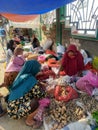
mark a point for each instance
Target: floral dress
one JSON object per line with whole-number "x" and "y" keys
{"x": 21, "y": 107}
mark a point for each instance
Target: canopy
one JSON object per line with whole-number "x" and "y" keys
{"x": 26, "y": 7}
{"x": 27, "y": 24}
{"x": 19, "y": 18}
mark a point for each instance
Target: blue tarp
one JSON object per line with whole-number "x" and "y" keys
{"x": 26, "y": 7}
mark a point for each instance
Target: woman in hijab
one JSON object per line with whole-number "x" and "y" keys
{"x": 23, "y": 90}
{"x": 35, "y": 42}
{"x": 14, "y": 66}
{"x": 72, "y": 61}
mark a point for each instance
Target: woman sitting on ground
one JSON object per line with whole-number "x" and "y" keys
{"x": 13, "y": 67}
{"x": 72, "y": 61}
{"x": 23, "y": 90}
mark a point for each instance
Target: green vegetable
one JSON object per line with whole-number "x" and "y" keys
{"x": 95, "y": 116}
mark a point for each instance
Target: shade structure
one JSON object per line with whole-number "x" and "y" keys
{"x": 27, "y": 24}
{"x": 27, "y": 7}
{"x": 19, "y": 18}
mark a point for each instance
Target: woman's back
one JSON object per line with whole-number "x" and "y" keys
{"x": 9, "y": 54}
{"x": 10, "y": 50}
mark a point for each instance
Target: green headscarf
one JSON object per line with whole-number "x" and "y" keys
{"x": 25, "y": 80}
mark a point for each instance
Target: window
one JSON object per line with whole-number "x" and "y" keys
{"x": 82, "y": 17}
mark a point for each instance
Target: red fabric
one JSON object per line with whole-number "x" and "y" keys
{"x": 52, "y": 63}
{"x": 72, "y": 48}
{"x": 62, "y": 73}
{"x": 74, "y": 65}
{"x": 45, "y": 75}
{"x": 94, "y": 70}
{"x": 50, "y": 52}
{"x": 88, "y": 66}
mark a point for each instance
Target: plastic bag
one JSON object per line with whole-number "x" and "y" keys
{"x": 77, "y": 126}
{"x": 47, "y": 126}
{"x": 60, "y": 49}
{"x": 95, "y": 62}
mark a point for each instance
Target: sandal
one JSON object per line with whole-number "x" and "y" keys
{"x": 29, "y": 121}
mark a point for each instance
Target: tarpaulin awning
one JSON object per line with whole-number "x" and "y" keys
{"x": 28, "y": 24}
{"x": 26, "y": 7}
{"x": 19, "y": 18}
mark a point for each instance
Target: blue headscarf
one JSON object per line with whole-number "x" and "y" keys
{"x": 25, "y": 80}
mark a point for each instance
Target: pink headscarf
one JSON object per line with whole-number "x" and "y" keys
{"x": 16, "y": 64}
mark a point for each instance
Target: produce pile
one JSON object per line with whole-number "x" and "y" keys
{"x": 90, "y": 103}
{"x": 63, "y": 113}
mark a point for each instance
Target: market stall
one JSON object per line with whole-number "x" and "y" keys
{"x": 68, "y": 105}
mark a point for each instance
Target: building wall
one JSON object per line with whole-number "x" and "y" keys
{"x": 90, "y": 46}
